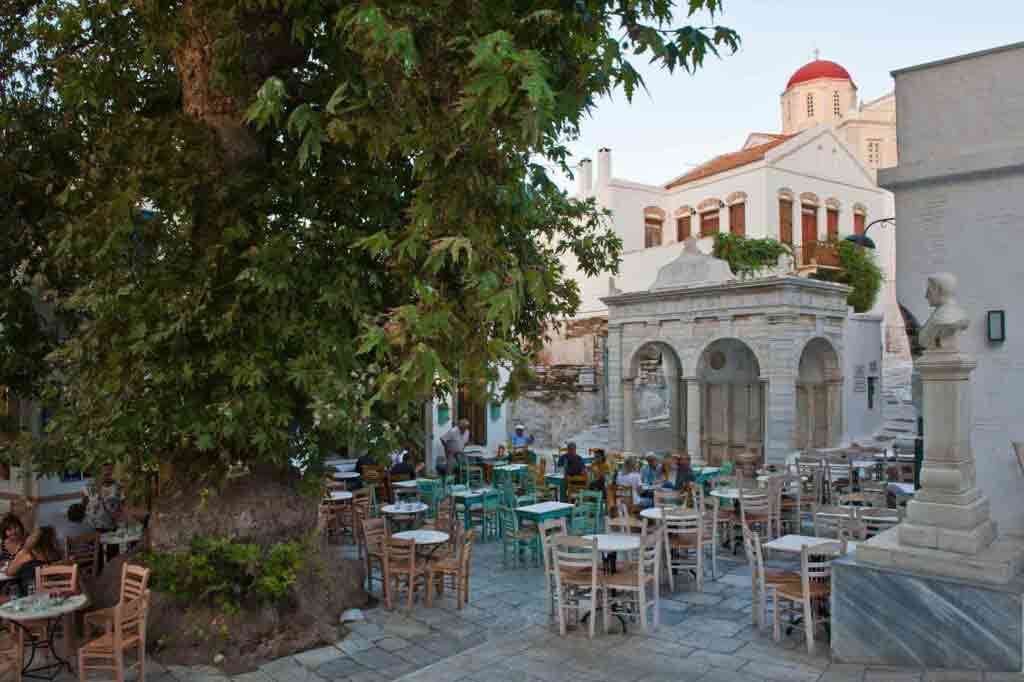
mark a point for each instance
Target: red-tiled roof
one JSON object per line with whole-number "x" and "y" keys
{"x": 726, "y": 162}
{"x": 819, "y": 68}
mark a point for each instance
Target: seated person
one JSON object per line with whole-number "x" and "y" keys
{"x": 650, "y": 473}
{"x": 599, "y": 471}
{"x": 407, "y": 466}
{"x": 40, "y": 549}
{"x": 630, "y": 476}
{"x": 501, "y": 453}
{"x": 684, "y": 474}
{"x": 13, "y": 533}
{"x": 366, "y": 459}
{"x": 519, "y": 438}
{"x": 571, "y": 462}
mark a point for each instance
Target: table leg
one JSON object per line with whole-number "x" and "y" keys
{"x": 35, "y": 644}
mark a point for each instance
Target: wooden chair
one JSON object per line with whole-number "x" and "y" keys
{"x": 667, "y": 498}
{"x": 709, "y": 514}
{"x": 755, "y": 509}
{"x": 373, "y": 535}
{"x": 575, "y": 484}
{"x": 519, "y": 539}
{"x": 834, "y": 521}
{"x": 767, "y": 579}
{"x": 390, "y": 481}
{"x": 643, "y": 574}
{"x": 362, "y": 508}
{"x": 549, "y": 529}
{"x": 455, "y": 567}
{"x": 577, "y": 577}
{"x": 127, "y": 632}
{"x": 684, "y": 544}
{"x": 621, "y": 496}
{"x": 400, "y": 560}
{"x": 789, "y": 515}
{"x": 373, "y": 477}
{"x": 61, "y": 577}
{"x": 84, "y": 551}
{"x": 810, "y": 599}
{"x": 134, "y": 584}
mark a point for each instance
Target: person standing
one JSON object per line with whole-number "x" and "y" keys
{"x": 454, "y": 443}
{"x": 103, "y": 501}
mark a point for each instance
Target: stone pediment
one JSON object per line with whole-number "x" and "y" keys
{"x": 691, "y": 268}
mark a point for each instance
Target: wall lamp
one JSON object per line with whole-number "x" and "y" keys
{"x": 863, "y": 239}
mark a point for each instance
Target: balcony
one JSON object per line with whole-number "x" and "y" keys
{"x": 817, "y": 254}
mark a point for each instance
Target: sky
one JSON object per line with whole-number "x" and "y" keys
{"x": 684, "y": 120}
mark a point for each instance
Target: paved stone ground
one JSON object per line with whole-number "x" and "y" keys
{"x": 505, "y": 635}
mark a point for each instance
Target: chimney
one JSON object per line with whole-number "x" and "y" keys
{"x": 585, "y": 178}
{"x": 604, "y": 166}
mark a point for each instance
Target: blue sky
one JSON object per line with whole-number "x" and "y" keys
{"x": 687, "y": 119}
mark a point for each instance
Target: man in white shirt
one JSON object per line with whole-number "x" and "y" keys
{"x": 454, "y": 442}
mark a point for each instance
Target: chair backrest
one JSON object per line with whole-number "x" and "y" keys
{"x": 621, "y": 494}
{"x": 626, "y": 524}
{"x": 492, "y": 500}
{"x": 134, "y": 581}
{"x": 591, "y": 497}
{"x": 681, "y": 521}
{"x": 816, "y": 564}
{"x": 667, "y": 498}
{"x": 548, "y": 530}
{"x": 374, "y": 532}
{"x": 754, "y": 502}
{"x": 575, "y": 555}
{"x": 648, "y": 564}
{"x": 709, "y": 512}
{"x": 361, "y": 504}
{"x": 399, "y": 555}
{"x": 520, "y": 456}
{"x": 465, "y": 551}
{"x": 475, "y": 476}
{"x": 508, "y": 522}
{"x": 130, "y": 619}
{"x": 834, "y": 521}
{"x": 574, "y": 485}
{"x": 57, "y": 578}
{"x": 879, "y": 519}
{"x": 84, "y": 550}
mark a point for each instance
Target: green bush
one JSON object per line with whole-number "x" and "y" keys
{"x": 748, "y": 257}
{"x": 228, "y": 572}
{"x": 859, "y": 271}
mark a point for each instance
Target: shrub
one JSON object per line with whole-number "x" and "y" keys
{"x": 228, "y": 572}
{"x": 859, "y": 271}
{"x": 748, "y": 257}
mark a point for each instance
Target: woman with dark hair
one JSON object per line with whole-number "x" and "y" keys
{"x": 12, "y": 536}
{"x": 40, "y": 549}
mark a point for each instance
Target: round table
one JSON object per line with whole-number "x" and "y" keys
{"x": 122, "y": 538}
{"x": 615, "y": 542}
{"x": 345, "y": 475}
{"x": 36, "y": 607}
{"x": 728, "y": 493}
{"x": 423, "y": 536}
{"x": 339, "y": 495}
{"x": 407, "y": 511}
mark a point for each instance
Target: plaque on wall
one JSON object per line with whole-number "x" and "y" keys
{"x": 873, "y": 368}
{"x": 860, "y": 381}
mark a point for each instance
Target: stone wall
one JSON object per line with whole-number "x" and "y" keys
{"x": 554, "y": 419}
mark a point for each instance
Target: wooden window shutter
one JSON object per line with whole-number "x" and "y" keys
{"x": 833, "y": 223}
{"x": 709, "y": 223}
{"x": 858, "y": 223}
{"x": 786, "y": 221}
{"x": 738, "y": 219}
{"x": 683, "y": 228}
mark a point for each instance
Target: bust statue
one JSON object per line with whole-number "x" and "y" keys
{"x": 948, "y": 319}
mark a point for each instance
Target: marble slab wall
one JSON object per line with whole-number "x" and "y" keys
{"x": 886, "y": 617}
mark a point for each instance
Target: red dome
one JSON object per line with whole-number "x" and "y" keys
{"x": 819, "y": 68}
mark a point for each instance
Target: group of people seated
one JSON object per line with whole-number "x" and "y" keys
{"x": 646, "y": 477}
{"x": 22, "y": 553}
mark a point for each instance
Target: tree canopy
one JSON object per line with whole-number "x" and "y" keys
{"x": 231, "y": 221}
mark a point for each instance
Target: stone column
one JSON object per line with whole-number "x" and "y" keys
{"x": 627, "y": 414}
{"x": 693, "y": 418}
{"x": 949, "y": 512}
{"x": 673, "y": 408}
{"x": 834, "y": 390}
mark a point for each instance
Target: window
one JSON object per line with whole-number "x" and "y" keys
{"x": 652, "y": 232}
{"x": 832, "y": 222}
{"x": 874, "y": 153}
{"x": 786, "y": 221}
{"x": 810, "y": 105}
{"x": 872, "y": 388}
{"x": 738, "y": 219}
{"x": 683, "y": 229}
{"x": 709, "y": 223}
{"x": 836, "y": 110}
{"x": 858, "y": 223}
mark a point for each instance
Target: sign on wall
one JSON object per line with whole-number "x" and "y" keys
{"x": 860, "y": 380}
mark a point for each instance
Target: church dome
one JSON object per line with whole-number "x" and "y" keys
{"x": 819, "y": 68}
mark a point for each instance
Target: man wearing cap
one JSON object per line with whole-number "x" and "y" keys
{"x": 520, "y": 439}
{"x": 571, "y": 462}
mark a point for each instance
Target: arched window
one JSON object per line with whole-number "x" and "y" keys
{"x": 737, "y": 202}
{"x": 810, "y": 105}
{"x": 832, "y": 219}
{"x": 860, "y": 214}
{"x": 786, "y": 216}
{"x": 709, "y": 209}
{"x": 836, "y": 110}
{"x": 654, "y": 218}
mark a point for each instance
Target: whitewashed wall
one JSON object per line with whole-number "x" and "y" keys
{"x": 961, "y": 208}
{"x": 862, "y": 340}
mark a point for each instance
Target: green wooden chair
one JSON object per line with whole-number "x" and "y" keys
{"x": 474, "y": 476}
{"x": 429, "y": 491}
{"x": 586, "y": 519}
{"x": 487, "y": 515}
{"x": 596, "y": 498}
{"x": 518, "y": 539}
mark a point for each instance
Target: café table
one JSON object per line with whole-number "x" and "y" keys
{"x": 544, "y": 511}
{"x": 346, "y": 466}
{"x": 424, "y": 537}
{"x": 468, "y": 499}
{"x": 43, "y": 607}
{"x": 794, "y": 544}
{"x": 611, "y": 544}
{"x": 406, "y": 487}
{"x": 901, "y": 489}
{"x": 515, "y": 471}
{"x": 727, "y": 493}
{"x": 339, "y": 495}
{"x": 122, "y": 537}
{"x": 404, "y": 513}
{"x": 345, "y": 475}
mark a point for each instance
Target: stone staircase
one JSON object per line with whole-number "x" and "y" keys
{"x": 898, "y": 411}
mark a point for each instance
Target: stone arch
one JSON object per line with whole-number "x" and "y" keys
{"x": 786, "y": 193}
{"x": 654, "y": 226}
{"x": 709, "y": 204}
{"x": 683, "y": 211}
{"x": 654, "y": 212}
{"x": 819, "y": 390}
{"x": 832, "y": 203}
{"x": 860, "y": 209}
{"x": 732, "y": 402}
{"x": 652, "y": 398}
{"x": 810, "y": 199}
{"x": 736, "y": 198}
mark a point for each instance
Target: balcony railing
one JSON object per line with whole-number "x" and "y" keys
{"x": 821, "y": 254}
